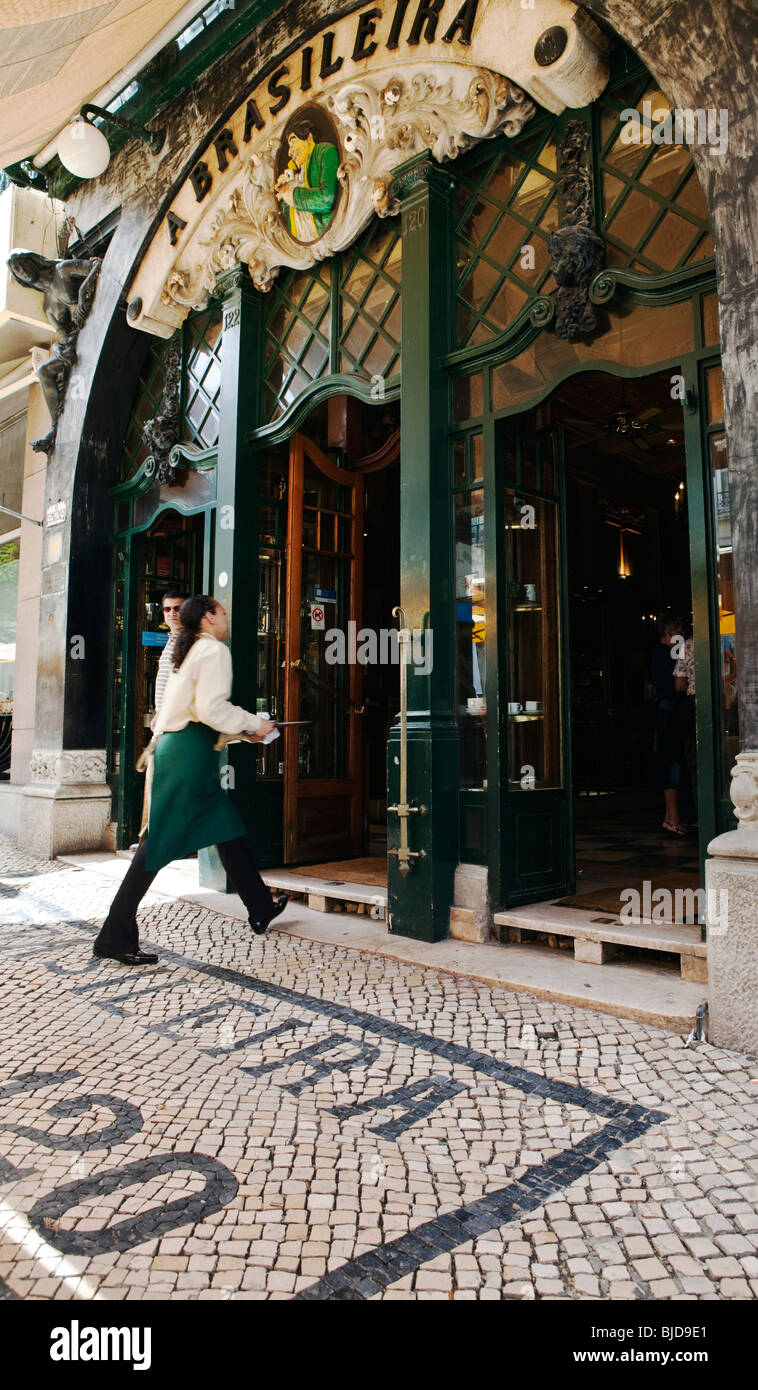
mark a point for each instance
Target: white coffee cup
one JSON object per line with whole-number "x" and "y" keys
{"x": 514, "y": 707}
{"x": 534, "y": 707}
{"x": 476, "y": 704}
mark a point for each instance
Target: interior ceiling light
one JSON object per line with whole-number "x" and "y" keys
{"x": 83, "y": 148}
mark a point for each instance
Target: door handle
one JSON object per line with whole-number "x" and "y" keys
{"x": 406, "y": 857}
{"x": 337, "y": 695}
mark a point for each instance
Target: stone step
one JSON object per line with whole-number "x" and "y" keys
{"x": 596, "y": 936}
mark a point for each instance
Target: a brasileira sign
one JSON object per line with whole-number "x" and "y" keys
{"x": 306, "y": 159}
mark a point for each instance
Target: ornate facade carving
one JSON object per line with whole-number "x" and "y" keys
{"x": 577, "y": 253}
{"x": 162, "y": 432}
{"x": 68, "y": 289}
{"x": 68, "y": 766}
{"x": 744, "y": 787}
{"x": 381, "y": 122}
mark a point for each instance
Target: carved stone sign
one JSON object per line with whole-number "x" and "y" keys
{"x": 305, "y": 161}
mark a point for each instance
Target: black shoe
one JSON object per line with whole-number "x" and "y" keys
{"x": 280, "y": 903}
{"x": 135, "y": 958}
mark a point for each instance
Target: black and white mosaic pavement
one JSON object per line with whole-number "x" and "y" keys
{"x": 282, "y": 1119}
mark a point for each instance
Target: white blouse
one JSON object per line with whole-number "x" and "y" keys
{"x": 199, "y": 691}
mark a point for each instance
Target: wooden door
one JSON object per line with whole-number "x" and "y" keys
{"x": 323, "y": 791}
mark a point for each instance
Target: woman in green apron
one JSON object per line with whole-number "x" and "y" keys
{"x": 188, "y": 808}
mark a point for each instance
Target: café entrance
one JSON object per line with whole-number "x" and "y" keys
{"x": 330, "y": 670}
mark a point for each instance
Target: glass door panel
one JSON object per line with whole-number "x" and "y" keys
{"x": 535, "y": 786}
{"x": 728, "y": 685}
{"x": 323, "y": 682}
{"x": 532, "y": 626}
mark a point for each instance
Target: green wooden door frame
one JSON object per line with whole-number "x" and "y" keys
{"x": 419, "y": 904}
{"x": 125, "y": 570}
{"x": 714, "y": 808}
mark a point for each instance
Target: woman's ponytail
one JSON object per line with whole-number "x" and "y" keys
{"x": 191, "y": 615}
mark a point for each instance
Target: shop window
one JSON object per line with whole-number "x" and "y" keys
{"x": 654, "y": 217}
{"x": 636, "y": 336}
{"x": 297, "y": 336}
{"x": 722, "y": 533}
{"x": 468, "y": 397}
{"x": 470, "y": 625}
{"x": 370, "y": 304}
{"x": 531, "y": 631}
{"x": 506, "y": 208}
{"x": 710, "y": 311}
{"x": 117, "y": 667}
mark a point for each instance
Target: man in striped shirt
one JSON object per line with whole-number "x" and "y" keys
{"x": 171, "y": 604}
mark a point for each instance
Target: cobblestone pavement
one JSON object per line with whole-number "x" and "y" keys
{"x": 275, "y": 1119}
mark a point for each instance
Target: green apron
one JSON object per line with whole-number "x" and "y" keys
{"x": 188, "y": 808}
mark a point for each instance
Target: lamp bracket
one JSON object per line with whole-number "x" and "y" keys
{"x": 154, "y": 139}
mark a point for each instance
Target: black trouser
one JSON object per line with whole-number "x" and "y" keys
{"x": 119, "y": 933}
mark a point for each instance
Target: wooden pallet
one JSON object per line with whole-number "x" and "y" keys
{"x": 597, "y": 939}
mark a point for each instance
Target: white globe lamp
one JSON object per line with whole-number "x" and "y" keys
{"x": 83, "y": 149}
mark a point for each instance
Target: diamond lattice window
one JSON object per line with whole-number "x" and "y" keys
{"x": 201, "y": 379}
{"x": 654, "y": 214}
{"x": 506, "y": 208}
{"x": 297, "y": 336}
{"x": 370, "y": 304}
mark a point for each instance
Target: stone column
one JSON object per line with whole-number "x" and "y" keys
{"x": 731, "y": 877}
{"x": 67, "y": 804}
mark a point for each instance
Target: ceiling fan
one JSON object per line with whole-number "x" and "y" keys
{"x": 631, "y": 426}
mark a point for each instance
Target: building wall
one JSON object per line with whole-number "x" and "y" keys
{"x": 29, "y": 578}
{"x": 12, "y": 443}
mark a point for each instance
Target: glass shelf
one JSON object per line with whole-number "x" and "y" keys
{"x": 532, "y": 652}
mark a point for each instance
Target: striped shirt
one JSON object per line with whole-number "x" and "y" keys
{"x": 165, "y": 667}
{"x": 685, "y": 666}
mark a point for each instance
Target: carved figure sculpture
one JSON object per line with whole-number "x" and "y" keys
{"x": 162, "y": 432}
{"x": 68, "y": 289}
{"x": 577, "y": 253}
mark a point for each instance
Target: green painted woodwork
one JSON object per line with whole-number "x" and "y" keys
{"x": 419, "y": 905}
{"x": 235, "y": 561}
